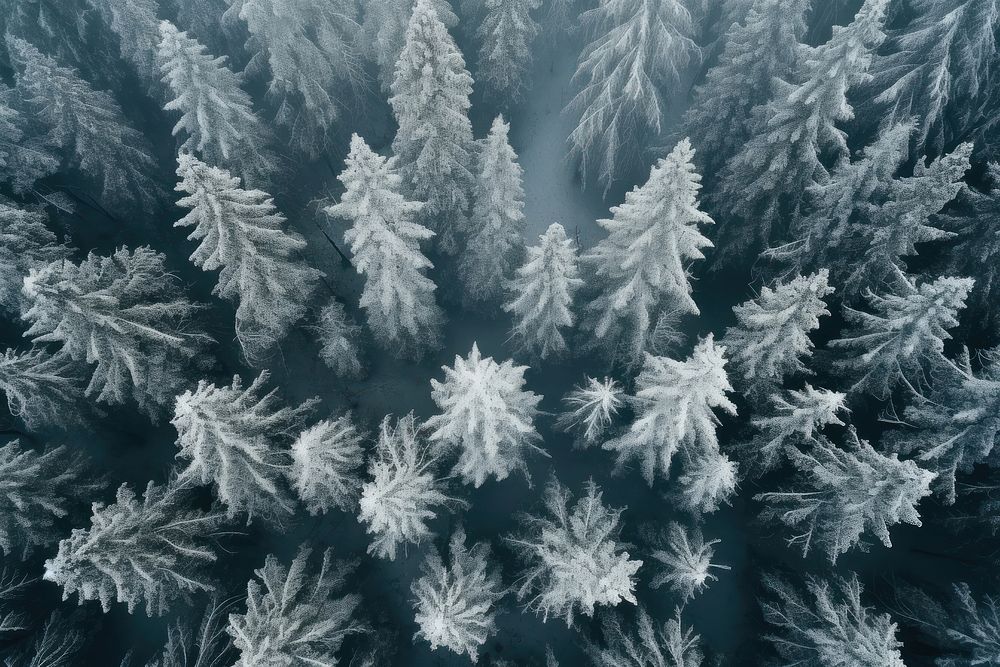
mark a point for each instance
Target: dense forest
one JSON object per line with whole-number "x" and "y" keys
{"x": 626, "y": 333}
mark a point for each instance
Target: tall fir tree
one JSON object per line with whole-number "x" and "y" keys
{"x": 506, "y": 36}
{"x": 497, "y": 221}
{"x": 430, "y": 100}
{"x": 641, "y": 267}
{"x": 385, "y": 241}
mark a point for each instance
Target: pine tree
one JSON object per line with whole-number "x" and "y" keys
{"x": 902, "y": 337}
{"x": 938, "y": 68}
{"x": 590, "y": 408}
{"x": 296, "y": 615}
{"x": 709, "y": 481}
{"x": 339, "y": 337}
{"x": 841, "y": 493}
{"x": 830, "y": 626}
{"x": 506, "y": 36}
{"x": 642, "y": 265}
{"x": 793, "y": 131}
{"x": 38, "y": 489}
{"x": 384, "y": 31}
{"x": 217, "y": 118}
{"x": 686, "y": 560}
{"x": 455, "y": 603}
{"x": 486, "y": 414}
{"x": 88, "y": 124}
{"x": 125, "y": 316}
{"x": 385, "y": 242}
{"x": 640, "y": 49}
{"x": 673, "y": 404}
{"x": 904, "y": 220}
{"x": 308, "y": 49}
{"x": 761, "y": 49}
{"x": 58, "y": 644}
{"x": 241, "y": 233}
{"x": 326, "y": 462}
{"x": 646, "y": 643}
{"x": 153, "y": 550}
{"x": 26, "y": 155}
{"x": 42, "y": 389}
{"x": 25, "y": 243}
{"x": 196, "y": 645}
{"x": 430, "y": 100}
{"x": 405, "y": 491}
{"x": 573, "y": 557}
{"x": 771, "y": 336}
{"x": 794, "y": 421}
{"x": 136, "y": 25}
{"x": 963, "y": 631}
{"x": 238, "y": 440}
{"x": 541, "y": 294}
{"x": 497, "y": 220}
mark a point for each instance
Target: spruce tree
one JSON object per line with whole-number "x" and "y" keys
{"x": 506, "y": 37}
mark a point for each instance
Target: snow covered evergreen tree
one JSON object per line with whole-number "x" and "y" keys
{"x": 642, "y": 265}
{"x": 939, "y": 67}
{"x": 540, "y": 296}
{"x": 25, "y": 243}
{"x": 487, "y": 415}
{"x": 58, "y": 644}
{"x": 645, "y": 642}
{"x": 956, "y": 425}
{"x": 759, "y": 51}
{"x": 840, "y": 493}
{"x": 497, "y": 220}
{"x": 506, "y": 36}
{"x": 405, "y": 491}
{"x": 902, "y": 337}
{"x": 308, "y": 49}
{"x": 829, "y": 626}
{"x": 794, "y": 421}
{"x": 686, "y": 561}
{"x": 136, "y": 25}
{"x": 339, "y": 335}
{"x": 455, "y": 602}
{"x": 125, "y": 316}
{"x": 573, "y": 557}
{"x": 296, "y": 615}
{"x": 204, "y": 644}
{"x": 590, "y": 408}
{"x": 430, "y": 100}
{"x": 385, "y": 241}
{"x": 963, "y": 630}
{"x": 640, "y": 49}
{"x": 88, "y": 125}
{"x": 241, "y": 233}
{"x": 42, "y": 389}
{"x": 904, "y": 219}
{"x": 37, "y": 490}
{"x": 771, "y": 336}
{"x": 217, "y": 117}
{"x": 152, "y": 551}
{"x": 793, "y": 131}
{"x": 673, "y": 405}
{"x": 26, "y": 153}
{"x": 384, "y": 24}
{"x": 709, "y": 480}
{"x": 326, "y": 462}
{"x": 238, "y": 440}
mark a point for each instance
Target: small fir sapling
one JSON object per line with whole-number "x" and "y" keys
{"x": 326, "y": 465}
{"x": 151, "y": 551}
{"x": 590, "y": 408}
{"x": 540, "y": 296}
{"x": 126, "y": 317}
{"x": 574, "y": 560}
{"x": 674, "y": 404}
{"x": 339, "y": 336}
{"x": 684, "y": 559}
{"x": 840, "y": 494}
{"x": 487, "y": 415}
{"x": 296, "y": 615}
{"x": 455, "y": 600}
{"x": 829, "y": 625}
{"x": 238, "y": 440}
{"x": 405, "y": 491}
{"x": 39, "y": 489}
